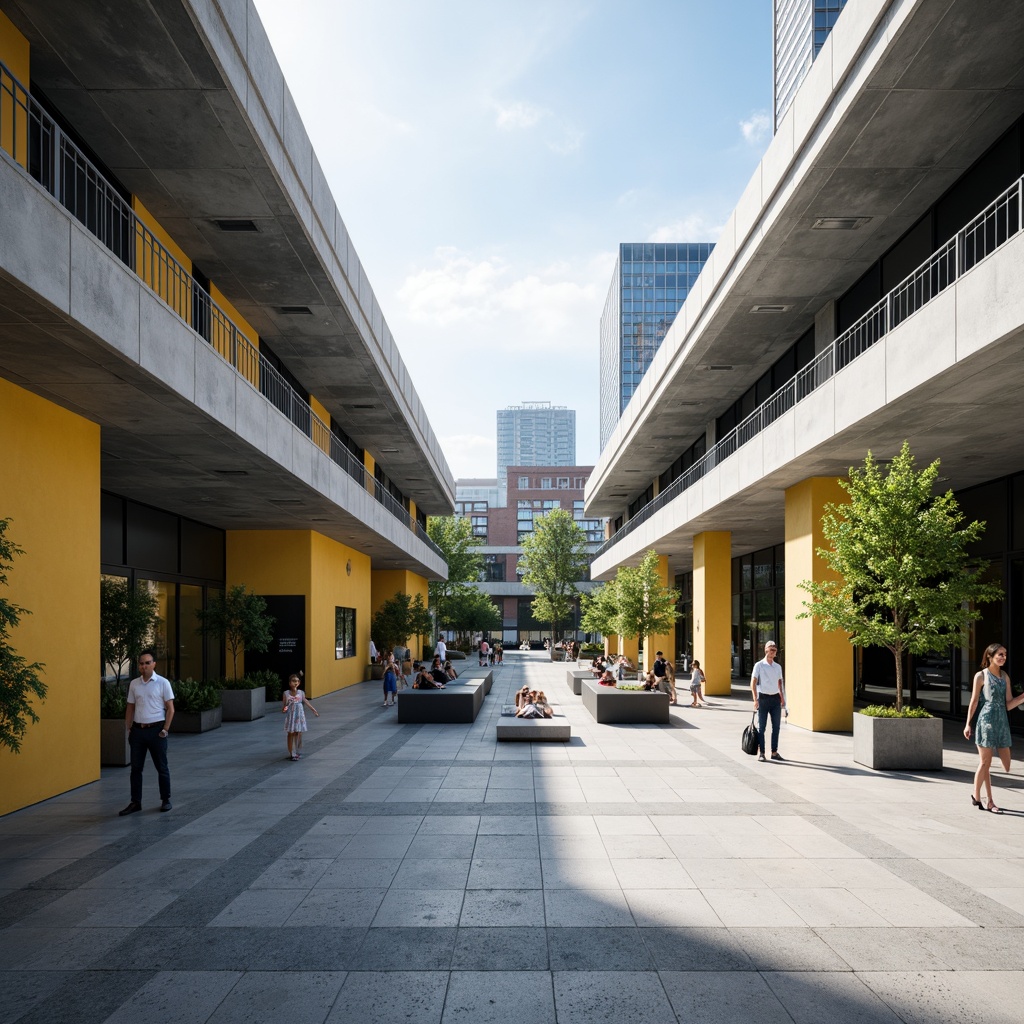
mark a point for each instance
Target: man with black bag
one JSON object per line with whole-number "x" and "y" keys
{"x": 769, "y": 695}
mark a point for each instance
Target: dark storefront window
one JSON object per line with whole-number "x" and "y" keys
{"x": 758, "y": 607}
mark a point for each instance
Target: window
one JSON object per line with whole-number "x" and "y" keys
{"x": 524, "y": 483}
{"x": 480, "y": 526}
{"x": 545, "y": 483}
{"x": 563, "y": 483}
{"x": 344, "y": 633}
{"x": 494, "y": 569}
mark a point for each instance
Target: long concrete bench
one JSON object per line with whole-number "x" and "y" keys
{"x": 458, "y": 702}
{"x": 535, "y": 729}
{"x": 610, "y": 705}
{"x": 476, "y": 672}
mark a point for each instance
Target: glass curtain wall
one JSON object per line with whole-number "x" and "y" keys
{"x": 758, "y": 607}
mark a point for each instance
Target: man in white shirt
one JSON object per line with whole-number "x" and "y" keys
{"x": 769, "y": 695}
{"x": 147, "y": 718}
{"x": 441, "y": 650}
{"x": 373, "y": 652}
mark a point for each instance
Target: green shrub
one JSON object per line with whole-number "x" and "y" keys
{"x": 629, "y": 686}
{"x": 113, "y": 701}
{"x": 271, "y": 680}
{"x": 192, "y": 697}
{"x": 888, "y": 711}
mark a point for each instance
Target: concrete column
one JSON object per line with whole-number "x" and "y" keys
{"x": 664, "y": 642}
{"x": 712, "y": 609}
{"x": 818, "y": 666}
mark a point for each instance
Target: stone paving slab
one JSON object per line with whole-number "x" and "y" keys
{"x": 426, "y": 873}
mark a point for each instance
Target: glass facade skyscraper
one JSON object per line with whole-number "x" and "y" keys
{"x": 801, "y": 28}
{"x": 535, "y": 434}
{"x": 650, "y": 284}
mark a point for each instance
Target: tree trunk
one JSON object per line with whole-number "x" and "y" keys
{"x": 898, "y": 654}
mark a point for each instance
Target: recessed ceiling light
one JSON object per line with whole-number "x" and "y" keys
{"x": 285, "y": 501}
{"x": 231, "y": 472}
{"x": 717, "y": 366}
{"x": 295, "y": 310}
{"x": 390, "y": 451}
{"x": 770, "y": 307}
{"x": 839, "y": 223}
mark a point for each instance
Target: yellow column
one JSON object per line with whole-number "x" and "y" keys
{"x": 664, "y": 642}
{"x": 712, "y": 609}
{"x": 50, "y": 490}
{"x": 818, "y": 666}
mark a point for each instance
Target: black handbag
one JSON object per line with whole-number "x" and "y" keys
{"x": 749, "y": 741}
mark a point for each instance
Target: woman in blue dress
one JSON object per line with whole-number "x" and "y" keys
{"x": 992, "y": 697}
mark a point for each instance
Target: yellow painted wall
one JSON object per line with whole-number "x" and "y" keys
{"x": 818, "y": 666}
{"x": 277, "y": 562}
{"x": 245, "y": 360}
{"x": 321, "y": 437}
{"x": 630, "y": 647}
{"x": 159, "y": 273}
{"x": 712, "y": 609}
{"x": 388, "y": 582}
{"x": 50, "y": 488}
{"x": 370, "y": 463}
{"x": 14, "y": 52}
{"x": 664, "y": 642}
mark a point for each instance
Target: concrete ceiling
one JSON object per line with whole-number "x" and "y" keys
{"x": 137, "y": 81}
{"x": 945, "y": 88}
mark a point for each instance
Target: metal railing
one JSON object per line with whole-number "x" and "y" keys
{"x": 34, "y": 141}
{"x": 984, "y": 234}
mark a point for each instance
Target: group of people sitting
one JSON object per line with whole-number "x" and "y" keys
{"x": 610, "y": 670}
{"x": 434, "y": 678}
{"x": 532, "y": 704}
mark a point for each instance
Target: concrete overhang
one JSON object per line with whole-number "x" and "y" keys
{"x": 903, "y": 97}
{"x": 186, "y": 103}
{"x": 180, "y": 427}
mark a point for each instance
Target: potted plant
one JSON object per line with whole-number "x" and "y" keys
{"x": 238, "y": 618}
{"x": 20, "y": 680}
{"x": 128, "y": 620}
{"x": 398, "y": 618}
{"x": 903, "y": 580}
{"x": 243, "y": 700}
{"x": 197, "y": 706}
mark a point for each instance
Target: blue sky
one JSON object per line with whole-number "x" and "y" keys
{"x": 488, "y": 158}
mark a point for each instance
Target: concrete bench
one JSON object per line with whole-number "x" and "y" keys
{"x": 475, "y": 672}
{"x": 574, "y": 678}
{"x": 535, "y": 729}
{"x": 610, "y": 705}
{"x": 458, "y": 702}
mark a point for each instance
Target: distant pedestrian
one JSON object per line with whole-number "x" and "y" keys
{"x": 660, "y": 668}
{"x": 441, "y": 650}
{"x": 499, "y": 653}
{"x": 485, "y": 649}
{"x": 147, "y": 717}
{"x": 390, "y": 682}
{"x": 670, "y": 682}
{"x": 374, "y": 656}
{"x": 769, "y": 695}
{"x": 696, "y": 684}
{"x": 293, "y": 709}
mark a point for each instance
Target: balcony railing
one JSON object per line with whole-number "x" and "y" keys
{"x": 34, "y": 141}
{"x": 989, "y": 230}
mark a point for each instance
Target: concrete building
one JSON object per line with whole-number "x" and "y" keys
{"x": 532, "y": 491}
{"x": 865, "y": 290}
{"x": 197, "y": 385}
{"x": 650, "y": 282}
{"x": 800, "y": 28}
{"x": 535, "y": 434}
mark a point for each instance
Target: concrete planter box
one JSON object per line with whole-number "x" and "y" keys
{"x": 374, "y": 671}
{"x": 610, "y": 706}
{"x": 574, "y": 679}
{"x": 907, "y": 744}
{"x": 460, "y": 701}
{"x": 114, "y": 749}
{"x": 243, "y": 705}
{"x": 203, "y": 722}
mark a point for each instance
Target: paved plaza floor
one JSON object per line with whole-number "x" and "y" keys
{"x": 425, "y": 873}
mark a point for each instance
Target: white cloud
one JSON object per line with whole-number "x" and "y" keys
{"x": 697, "y": 227}
{"x": 756, "y": 128}
{"x": 570, "y": 141}
{"x": 518, "y": 115}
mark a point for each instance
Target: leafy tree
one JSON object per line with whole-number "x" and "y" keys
{"x": 601, "y": 610}
{"x": 555, "y": 558}
{"x": 399, "y": 618}
{"x": 904, "y": 578}
{"x": 19, "y": 679}
{"x": 454, "y": 536}
{"x": 128, "y": 620}
{"x": 471, "y": 611}
{"x": 238, "y": 618}
{"x": 646, "y": 606}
